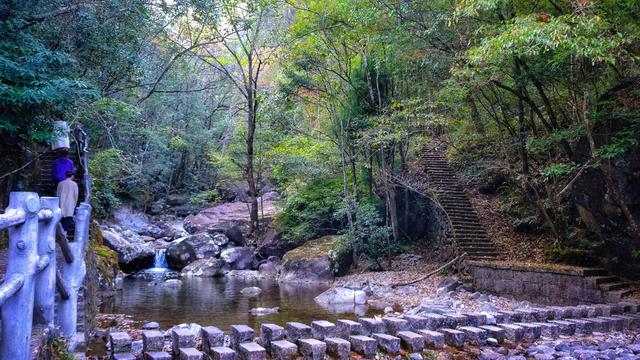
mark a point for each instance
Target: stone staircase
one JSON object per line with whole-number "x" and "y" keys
{"x": 469, "y": 235}
{"x": 46, "y": 186}
{"x": 615, "y": 288}
{"x": 368, "y": 337}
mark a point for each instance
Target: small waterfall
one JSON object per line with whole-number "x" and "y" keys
{"x": 160, "y": 260}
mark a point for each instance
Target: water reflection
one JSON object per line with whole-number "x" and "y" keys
{"x": 218, "y": 302}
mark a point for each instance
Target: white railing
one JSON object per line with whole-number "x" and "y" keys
{"x": 27, "y": 295}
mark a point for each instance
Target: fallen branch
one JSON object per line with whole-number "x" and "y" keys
{"x": 431, "y": 273}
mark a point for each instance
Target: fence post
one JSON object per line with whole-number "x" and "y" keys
{"x": 17, "y": 311}
{"x": 73, "y": 273}
{"x": 46, "y": 280}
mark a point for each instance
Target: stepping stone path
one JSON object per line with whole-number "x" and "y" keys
{"x": 392, "y": 335}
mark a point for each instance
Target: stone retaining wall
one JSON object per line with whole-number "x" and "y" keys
{"x": 539, "y": 283}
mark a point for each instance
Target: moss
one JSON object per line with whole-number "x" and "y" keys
{"x": 335, "y": 247}
{"x": 312, "y": 249}
{"x": 106, "y": 259}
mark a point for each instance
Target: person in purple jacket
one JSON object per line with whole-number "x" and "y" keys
{"x": 62, "y": 165}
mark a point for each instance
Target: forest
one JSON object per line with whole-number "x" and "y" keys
{"x": 330, "y": 103}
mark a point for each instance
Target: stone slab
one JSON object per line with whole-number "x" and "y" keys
{"x": 474, "y": 335}
{"x": 411, "y": 341}
{"x": 394, "y": 324}
{"x": 190, "y": 354}
{"x": 453, "y": 337}
{"x": 283, "y": 350}
{"x": 338, "y": 348}
{"x": 312, "y": 349}
{"x": 432, "y": 338}
{"x": 182, "y": 338}
{"x": 296, "y": 331}
{"x": 321, "y": 329}
{"x": 240, "y": 334}
{"x": 495, "y": 332}
{"x": 152, "y": 340}
{"x": 346, "y": 328}
{"x": 371, "y": 325}
{"x": 387, "y": 343}
{"x": 512, "y": 332}
{"x": 363, "y": 345}
{"x": 157, "y": 355}
{"x": 211, "y": 337}
{"x": 251, "y": 351}
{"x": 222, "y": 353}
{"x": 120, "y": 342}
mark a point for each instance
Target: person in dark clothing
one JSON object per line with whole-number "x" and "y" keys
{"x": 62, "y": 165}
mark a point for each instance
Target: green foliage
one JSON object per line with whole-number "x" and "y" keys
{"x": 311, "y": 212}
{"x": 107, "y": 171}
{"x": 372, "y": 236}
{"x": 206, "y": 197}
{"x": 571, "y": 256}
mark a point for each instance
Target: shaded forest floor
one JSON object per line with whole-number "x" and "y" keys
{"x": 513, "y": 245}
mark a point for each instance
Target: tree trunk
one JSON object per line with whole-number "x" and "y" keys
{"x": 251, "y": 128}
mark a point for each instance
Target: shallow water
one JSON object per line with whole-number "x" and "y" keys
{"x": 218, "y": 302}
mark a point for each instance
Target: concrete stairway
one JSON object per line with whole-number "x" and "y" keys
{"x": 469, "y": 235}
{"x": 615, "y": 288}
{"x": 368, "y": 337}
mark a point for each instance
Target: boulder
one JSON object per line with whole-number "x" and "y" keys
{"x": 341, "y": 296}
{"x": 271, "y": 266}
{"x": 317, "y": 260}
{"x": 260, "y": 311}
{"x": 271, "y": 243}
{"x": 251, "y": 291}
{"x": 220, "y": 239}
{"x": 211, "y": 267}
{"x": 133, "y": 253}
{"x": 172, "y": 284}
{"x": 137, "y": 222}
{"x": 222, "y": 215}
{"x": 184, "y": 251}
{"x": 238, "y": 258}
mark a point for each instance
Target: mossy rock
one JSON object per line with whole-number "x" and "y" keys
{"x": 317, "y": 260}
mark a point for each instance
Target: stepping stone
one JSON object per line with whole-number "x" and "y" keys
{"x": 296, "y": 331}
{"x": 511, "y": 316}
{"x": 531, "y": 331}
{"x": 629, "y": 322}
{"x": 512, "y": 332}
{"x": 283, "y": 350}
{"x": 251, "y": 351}
{"x": 560, "y": 312}
{"x": 222, "y": 353}
{"x": 599, "y": 325}
{"x": 338, "y": 348}
{"x": 157, "y": 355}
{"x": 387, "y": 343}
{"x": 270, "y": 333}
{"x": 123, "y": 356}
{"x": 615, "y": 324}
{"x": 543, "y": 314}
{"x": 527, "y": 315}
{"x": 583, "y": 327}
{"x": 190, "y": 354}
{"x": 347, "y": 328}
{"x": 371, "y": 325}
{"x": 474, "y": 335}
{"x": 416, "y": 322}
{"x": 240, "y": 334}
{"x": 566, "y": 327}
{"x": 152, "y": 340}
{"x": 411, "y": 341}
{"x": 434, "y": 321}
{"x": 579, "y": 312}
{"x": 321, "y": 329}
{"x": 602, "y": 310}
{"x": 630, "y": 308}
{"x": 182, "y": 338}
{"x": 475, "y": 319}
{"x": 549, "y": 329}
{"x": 617, "y": 309}
{"x": 120, "y": 342}
{"x": 394, "y": 324}
{"x": 363, "y": 345}
{"x": 211, "y": 337}
{"x": 312, "y": 349}
{"x": 453, "y": 337}
{"x": 432, "y": 338}
{"x": 495, "y": 332}
{"x": 454, "y": 320}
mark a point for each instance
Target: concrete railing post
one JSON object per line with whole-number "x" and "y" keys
{"x": 46, "y": 280}
{"x": 73, "y": 273}
{"x": 17, "y": 311}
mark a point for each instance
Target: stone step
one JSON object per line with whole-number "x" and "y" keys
{"x": 613, "y": 286}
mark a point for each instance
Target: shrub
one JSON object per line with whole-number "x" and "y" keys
{"x": 312, "y": 212}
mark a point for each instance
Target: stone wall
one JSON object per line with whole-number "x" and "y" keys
{"x": 539, "y": 283}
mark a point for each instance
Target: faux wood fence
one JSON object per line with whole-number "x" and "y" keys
{"x": 28, "y": 293}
